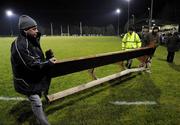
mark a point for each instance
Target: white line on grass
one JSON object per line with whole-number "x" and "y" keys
{"x": 134, "y": 103}
{"x": 3, "y": 98}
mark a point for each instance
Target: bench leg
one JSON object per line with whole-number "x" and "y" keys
{"x": 92, "y": 73}
{"x": 121, "y": 65}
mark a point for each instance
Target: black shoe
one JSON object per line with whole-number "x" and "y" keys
{"x": 128, "y": 66}
{"x": 45, "y": 96}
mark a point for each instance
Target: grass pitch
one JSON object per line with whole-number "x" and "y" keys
{"x": 93, "y": 107}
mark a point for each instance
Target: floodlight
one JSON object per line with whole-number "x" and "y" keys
{"x": 9, "y": 13}
{"x": 118, "y": 10}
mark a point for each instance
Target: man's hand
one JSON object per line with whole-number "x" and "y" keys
{"x": 53, "y": 60}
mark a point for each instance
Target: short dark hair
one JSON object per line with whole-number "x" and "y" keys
{"x": 145, "y": 27}
{"x": 156, "y": 28}
{"x": 176, "y": 34}
{"x": 131, "y": 28}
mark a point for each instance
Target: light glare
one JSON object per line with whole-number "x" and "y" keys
{"x": 118, "y": 11}
{"x": 9, "y": 13}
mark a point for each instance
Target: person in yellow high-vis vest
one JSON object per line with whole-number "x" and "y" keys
{"x": 130, "y": 41}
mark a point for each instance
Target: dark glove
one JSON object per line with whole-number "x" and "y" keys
{"x": 49, "y": 54}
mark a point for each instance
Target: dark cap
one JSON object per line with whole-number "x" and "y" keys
{"x": 26, "y": 22}
{"x": 145, "y": 27}
{"x": 156, "y": 28}
{"x": 131, "y": 28}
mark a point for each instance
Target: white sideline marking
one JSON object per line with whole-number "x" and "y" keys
{"x": 12, "y": 98}
{"x": 134, "y": 103}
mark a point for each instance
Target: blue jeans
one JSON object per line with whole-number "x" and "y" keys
{"x": 37, "y": 109}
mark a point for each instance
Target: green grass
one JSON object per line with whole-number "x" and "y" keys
{"x": 92, "y": 107}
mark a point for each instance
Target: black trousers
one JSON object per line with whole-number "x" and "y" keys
{"x": 170, "y": 56}
{"x": 129, "y": 63}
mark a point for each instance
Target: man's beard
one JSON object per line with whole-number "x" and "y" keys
{"x": 30, "y": 37}
{"x": 154, "y": 33}
{"x": 34, "y": 39}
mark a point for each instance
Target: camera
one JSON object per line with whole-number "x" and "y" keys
{"x": 49, "y": 54}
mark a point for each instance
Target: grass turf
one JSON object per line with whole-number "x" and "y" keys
{"x": 92, "y": 107}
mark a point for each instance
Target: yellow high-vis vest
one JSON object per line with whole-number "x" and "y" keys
{"x": 131, "y": 41}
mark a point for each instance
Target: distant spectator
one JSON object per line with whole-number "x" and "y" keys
{"x": 172, "y": 46}
{"x": 162, "y": 39}
{"x": 144, "y": 36}
{"x": 153, "y": 41}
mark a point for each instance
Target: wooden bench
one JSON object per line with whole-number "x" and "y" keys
{"x": 75, "y": 65}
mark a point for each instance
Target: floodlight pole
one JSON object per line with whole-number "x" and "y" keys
{"x": 61, "y": 31}
{"x": 9, "y": 14}
{"x": 118, "y": 12}
{"x": 133, "y": 18}
{"x": 151, "y": 13}
{"x": 80, "y": 29}
{"x": 128, "y": 14}
{"x": 118, "y": 24}
{"x": 11, "y": 28}
{"x": 68, "y": 30}
{"x": 51, "y": 29}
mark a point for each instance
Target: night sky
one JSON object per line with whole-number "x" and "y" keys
{"x": 89, "y": 12}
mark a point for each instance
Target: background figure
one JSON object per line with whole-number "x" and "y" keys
{"x": 145, "y": 42}
{"x": 130, "y": 41}
{"x": 153, "y": 41}
{"x": 144, "y": 36}
{"x": 30, "y": 68}
{"x": 172, "y": 46}
{"x": 154, "y": 38}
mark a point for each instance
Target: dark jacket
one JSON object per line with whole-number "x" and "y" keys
{"x": 173, "y": 43}
{"x": 145, "y": 40}
{"x": 154, "y": 39}
{"x": 29, "y": 66}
